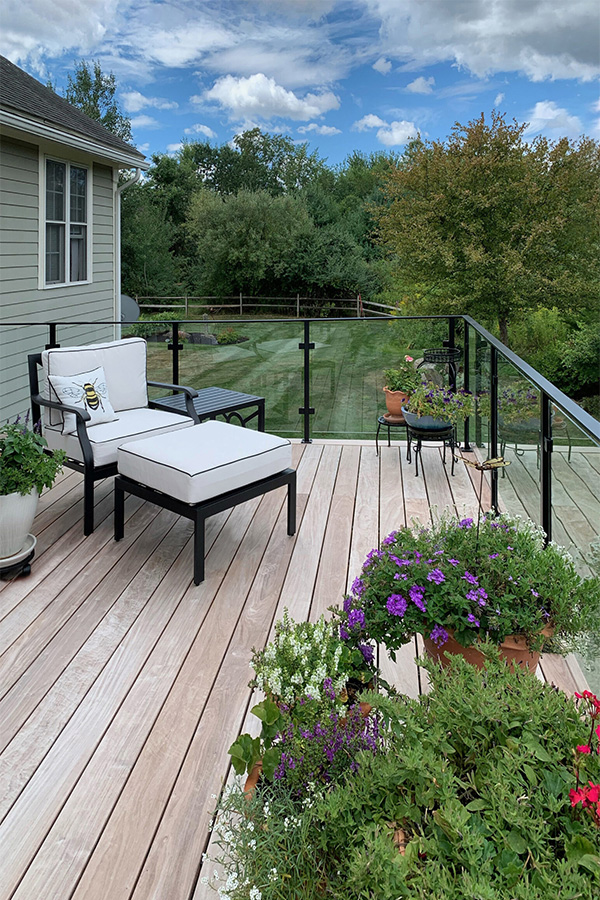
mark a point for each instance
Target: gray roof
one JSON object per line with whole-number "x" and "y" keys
{"x": 24, "y": 95}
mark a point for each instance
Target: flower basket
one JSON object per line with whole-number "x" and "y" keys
{"x": 426, "y": 423}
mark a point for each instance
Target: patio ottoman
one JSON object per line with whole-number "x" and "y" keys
{"x": 203, "y": 470}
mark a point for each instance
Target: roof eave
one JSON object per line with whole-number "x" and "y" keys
{"x": 71, "y": 139}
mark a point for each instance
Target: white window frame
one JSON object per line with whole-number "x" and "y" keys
{"x": 67, "y": 223}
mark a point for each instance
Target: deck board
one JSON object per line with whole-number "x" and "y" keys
{"x": 123, "y": 684}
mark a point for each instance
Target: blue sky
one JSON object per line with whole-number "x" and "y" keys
{"x": 340, "y": 74}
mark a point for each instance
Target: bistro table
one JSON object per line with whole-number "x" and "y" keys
{"x": 213, "y": 401}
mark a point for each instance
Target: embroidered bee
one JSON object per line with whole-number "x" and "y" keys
{"x": 90, "y": 393}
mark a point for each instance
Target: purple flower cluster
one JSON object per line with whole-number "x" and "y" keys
{"x": 439, "y": 635}
{"x": 477, "y": 595}
{"x": 396, "y": 605}
{"x": 358, "y": 587}
{"x": 436, "y": 575}
{"x": 473, "y": 620}
{"x": 417, "y": 595}
{"x": 367, "y": 652}
{"x": 356, "y": 618}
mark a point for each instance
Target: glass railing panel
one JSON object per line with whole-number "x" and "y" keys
{"x": 259, "y": 358}
{"x": 576, "y": 512}
{"x": 519, "y": 442}
{"x": 16, "y": 343}
{"x": 347, "y": 367}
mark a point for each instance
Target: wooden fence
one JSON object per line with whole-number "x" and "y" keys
{"x": 242, "y": 304}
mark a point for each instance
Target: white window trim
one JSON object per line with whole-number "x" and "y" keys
{"x": 43, "y": 158}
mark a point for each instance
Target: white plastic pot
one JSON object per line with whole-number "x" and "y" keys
{"x": 17, "y": 512}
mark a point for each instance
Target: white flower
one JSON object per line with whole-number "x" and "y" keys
{"x": 255, "y": 894}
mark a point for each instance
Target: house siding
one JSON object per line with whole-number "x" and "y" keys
{"x": 21, "y": 299}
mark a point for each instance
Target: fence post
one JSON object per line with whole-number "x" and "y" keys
{"x": 297, "y": 306}
{"x": 241, "y": 304}
{"x": 306, "y": 411}
{"x": 494, "y": 423}
{"x": 175, "y": 347}
{"x": 546, "y": 466}
{"x": 51, "y": 345}
{"x": 187, "y": 313}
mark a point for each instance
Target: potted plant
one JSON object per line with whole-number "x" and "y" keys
{"x": 459, "y": 582}
{"x": 433, "y": 407}
{"x": 399, "y": 383}
{"x": 489, "y": 786}
{"x": 25, "y": 470}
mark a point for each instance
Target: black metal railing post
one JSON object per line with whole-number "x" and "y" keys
{"x": 175, "y": 347}
{"x": 52, "y": 344}
{"x": 451, "y": 343}
{"x": 306, "y": 411}
{"x": 494, "y": 424}
{"x": 479, "y": 344}
{"x": 546, "y": 465}
{"x": 466, "y": 381}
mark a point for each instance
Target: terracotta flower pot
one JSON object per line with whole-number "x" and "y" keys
{"x": 252, "y": 780}
{"x": 513, "y": 649}
{"x": 395, "y": 400}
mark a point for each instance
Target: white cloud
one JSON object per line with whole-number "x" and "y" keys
{"x": 498, "y": 100}
{"x": 174, "y": 148}
{"x": 144, "y": 122}
{"x": 542, "y": 38}
{"x": 133, "y": 102}
{"x": 369, "y": 121}
{"x": 325, "y": 130}
{"x": 391, "y": 134}
{"x": 552, "y": 120}
{"x": 263, "y": 97}
{"x": 421, "y": 85}
{"x": 201, "y": 129}
{"x": 382, "y": 65}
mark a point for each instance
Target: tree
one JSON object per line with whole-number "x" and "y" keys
{"x": 94, "y": 94}
{"x": 493, "y": 226}
{"x": 148, "y": 265}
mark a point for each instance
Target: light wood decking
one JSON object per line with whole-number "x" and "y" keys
{"x": 122, "y": 684}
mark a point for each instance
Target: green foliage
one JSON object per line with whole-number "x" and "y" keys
{"x": 23, "y": 463}
{"x": 229, "y": 336}
{"x": 150, "y": 324}
{"x": 148, "y": 265}
{"x": 492, "y": 581}
{"x": 404, "y": 378}
{"x": 476, "y": 782}
{"x": 496, "y": 226}
{"x": 93, "y": 93}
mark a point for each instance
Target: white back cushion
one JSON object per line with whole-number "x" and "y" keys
{"x": 87, "y": 390}
{"x": 124, "y": 364}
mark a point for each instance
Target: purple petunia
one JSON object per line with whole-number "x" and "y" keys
{"x": 439, "y": 635}
{"x": 367, "y": 652}
{"x": 473, "y": 620}
{"x": 356, "y": 618}
{"x": 343, "y": 633}
{"x": 416, "y": 594}
{"x": 436, "y": 575}
{"x": 465, "y": 523}
{"x": 390, "y": 538}
{"x": 454, "y": 562}
{"x": 470, "y": 578}
{"x": 358, "y": 587}
{"x": 396, "y": 605}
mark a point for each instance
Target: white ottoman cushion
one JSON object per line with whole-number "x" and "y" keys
{"x": 204, "y": 461}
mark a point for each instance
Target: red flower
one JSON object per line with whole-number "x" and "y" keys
{"x": 584, "y": 748}
{"x": 593, "y": 792}
{"x": 576, "y": 796}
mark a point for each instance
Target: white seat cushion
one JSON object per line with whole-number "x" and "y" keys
{"x": 205, "y": 461}
{"x": 132, "y": 425}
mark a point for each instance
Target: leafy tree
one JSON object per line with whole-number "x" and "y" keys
{"x": 148, "y": 266}
{"x": 495, "y": 226}
{"x": 93, "y": 93}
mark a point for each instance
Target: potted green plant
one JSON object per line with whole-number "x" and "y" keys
{"x": 399, "y": 383}
{"x": 433, "y": 407}
{"x": 459, "y": 582}
{"x": 488, "y": 786}
{"x": 25, "y": 470}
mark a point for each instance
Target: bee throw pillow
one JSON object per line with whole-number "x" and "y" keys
{"x": 87, "y": 390}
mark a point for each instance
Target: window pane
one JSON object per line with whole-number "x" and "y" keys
{"x": 55, "y": 254}
{"x": 55, "y": 190}
{"x": 78, "y": 194}
{"x": 78, "y": 249}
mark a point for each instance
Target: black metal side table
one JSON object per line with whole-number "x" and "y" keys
{"x": 420, "y": 435}
{"x": 213, "y": 401}
{"x": 381, "y": 420}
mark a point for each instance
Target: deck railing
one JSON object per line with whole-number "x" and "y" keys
{"x": 323, "y": 378}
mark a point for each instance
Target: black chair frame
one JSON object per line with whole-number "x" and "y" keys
{"x": 91, "y": 473}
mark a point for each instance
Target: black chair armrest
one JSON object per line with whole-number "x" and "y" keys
{"x": 182, "y": 389}
{"x": 189, "y": 392}
{"x": 82, "y": 414}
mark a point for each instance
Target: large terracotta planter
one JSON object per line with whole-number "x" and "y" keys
{"x": 395, "y": 400}
{"x": 513, "y": 649}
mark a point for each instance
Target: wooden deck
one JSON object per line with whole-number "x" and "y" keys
{"x": 122, "y": 684}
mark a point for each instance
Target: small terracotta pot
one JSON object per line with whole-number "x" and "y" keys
{"x": 513, "y": 649}
{"x": 252, "y": 780}
{"x": 395, "y": 400}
